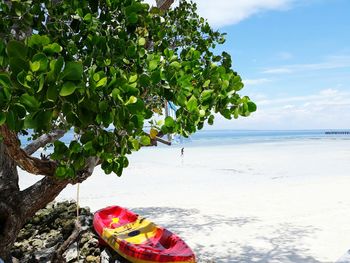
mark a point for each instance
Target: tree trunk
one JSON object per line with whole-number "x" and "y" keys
{"x": 11, "y": 219}
{"x": 16, "y": 206}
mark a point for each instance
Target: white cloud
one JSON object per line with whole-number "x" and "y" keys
{"x": 326, "y": 109}
{"x": 325, "y": 97}
{"x": 227, "y": 12}
{"x": 284, "y": 55}
{"x": 331, "y": 62}
{"x": 251, "y": 82}
{"x": 282, "y": 70}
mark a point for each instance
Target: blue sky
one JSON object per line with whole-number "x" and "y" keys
{"x": 294, "y": 58}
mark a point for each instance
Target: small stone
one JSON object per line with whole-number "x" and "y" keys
{"x": 93, "y": 242}
{"x": 17, "y": 253}
{"x": 36, "y": 220}
{"x": 37, "y": 243}
{"x": 71, "y": 254}
{"x": 84, "y": 251}
{"x": 84, "y": 240}
{"x": 92, "y": 259}
{"x": 44, "y": 255}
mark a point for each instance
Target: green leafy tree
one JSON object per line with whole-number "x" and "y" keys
{"x": 101, "y": 70}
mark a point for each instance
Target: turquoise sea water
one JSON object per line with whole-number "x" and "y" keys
{"x": 232, "y": 137}
{"x": 229, "y": 137}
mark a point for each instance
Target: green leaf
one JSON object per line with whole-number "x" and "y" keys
{"x": 135, "y": 144}
{"x": 87, "y": 136}
{"x": 131, "y": 51}
{"x": 2, "y": 118}
{"x": 132, "y": 18}
{"x": 11, "y": 120}
{"x": 60, "y": 147}
{"x": 102, "y": 82}
{"x": 34, "y": 66}
{"x": 58, "y": 65}
{"x": 96, "y": 77}
{"x": 72, "y": 71}
{"x": 37, "y": 40}
{"x": 175, "y": 64}
{"x": 211, "y": 120}
{"x": 68, "y": 88}
{"x": 133, "y": 78}
{"x": 43, "y": 119}
{"x": 192, "y": 104}
{"x": 52, "y": 48}
{"x": 88, "y": 17}
{"x": 225, "y": 84}
{"x": 141, "y": 41}
{"x": 17, "y": 65}
{"x": 30, "y": 102}
{"x": 63, "y": 172}
{"x": 145, "y": 140}
{"x": 142, "y": 52}
{"x": 52, "y": 93}
{"x": 75, "y": 147}
{"x": 16, "y": 49}
{"x": 103, "y": 106}
{"x": 131, "y": 100}
{"x": 22, "y": 79}
{"x": 60, "y": 172}
{"x": 115, "y": 93}
{"x": 5, "y": 95}
{"x": 236, "y": 113}
{"x": 88, "y": 146}
{"x": 153, "y": 64}
{"x": 5, "y": 80}
{"x": 251, "y": 106}
{"x": 156, "y": 76}
{"x": 144, "y": 80}
{"x": 169, "y": 122}
{"x": 41, "y": 83}
{"x": 206, "y": 94}
{"x": 20, "y": 110}
{"x": 206, "y": 83}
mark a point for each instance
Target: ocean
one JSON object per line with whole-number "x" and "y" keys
{"x": 234, "y": 137}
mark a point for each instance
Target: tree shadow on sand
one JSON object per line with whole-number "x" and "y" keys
{"x": 189, "y": 220}
{"x": 283, "y": 245}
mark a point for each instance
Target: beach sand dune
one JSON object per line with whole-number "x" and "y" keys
{"x": 272, "y": 202}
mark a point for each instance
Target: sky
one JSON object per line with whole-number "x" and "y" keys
{"x": 294, "y": 59}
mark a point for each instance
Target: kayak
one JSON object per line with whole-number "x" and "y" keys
{"x": 139, "y": 240}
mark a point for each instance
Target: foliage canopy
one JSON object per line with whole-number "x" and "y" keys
{"x": 103, "y": 69}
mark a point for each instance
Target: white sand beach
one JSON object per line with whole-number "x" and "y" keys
{"x": 284, "y": 201}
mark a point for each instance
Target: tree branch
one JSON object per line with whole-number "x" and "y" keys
{"x": 8, "y": 171}
{"x": 158, "y": 139}
{"x": 58, "y": 254}
{"x": 40, "y": 194}
{"x": 164, "y": 4}
{"x": 22, "y": 159}
{"x": 43, "y": 140}
{"x": 91, "y": 163}
{"x": 44, "y": 191}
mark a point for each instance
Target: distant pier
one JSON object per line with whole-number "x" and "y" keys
{"x": 337, "y": 132}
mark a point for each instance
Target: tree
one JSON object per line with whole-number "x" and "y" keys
{"x": 99, "y": 70}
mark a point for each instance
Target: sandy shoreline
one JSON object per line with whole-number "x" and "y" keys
{"x": 258, "y": 202}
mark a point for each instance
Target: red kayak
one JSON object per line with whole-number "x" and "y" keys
{"x": 138, "y": 239}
